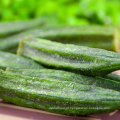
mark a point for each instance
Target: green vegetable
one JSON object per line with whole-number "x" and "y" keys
{"x": 53, "y": 95}
{"x": 91, "y": 36}
{"x": 113, "y": 76}
{"x": 11, "y": 43}
{"x": 81, "y": 59}
{"x": 9, "y": 28}
{"x": 60, "y": 75}
{"x": 15, "y": 61}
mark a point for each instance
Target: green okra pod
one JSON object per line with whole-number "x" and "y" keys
{"x": 53, "y": 95}
{"x": 10, "y": 28}
{"x": 105, "y": 37}
{"x": 15, "y": 61}
{"x": 81, "y": 59}
{"x": 109, "y": 81}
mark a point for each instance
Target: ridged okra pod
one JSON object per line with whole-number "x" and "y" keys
{"x": 104, "y": 37}
{"x": 53, "y": 95}
{"x": 10, "y": 28}
{"x": 15, "y": 61}
{"x": 81, "y": 59}
{"x": 111, "y": 81}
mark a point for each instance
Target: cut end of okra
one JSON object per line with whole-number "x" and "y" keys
{"x": 116, "y": 41}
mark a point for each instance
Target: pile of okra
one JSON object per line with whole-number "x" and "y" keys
{"x": 60, "y": 69}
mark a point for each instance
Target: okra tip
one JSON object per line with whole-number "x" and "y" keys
{"x": 21, "y": 44}
{"x": 7, "y": 69}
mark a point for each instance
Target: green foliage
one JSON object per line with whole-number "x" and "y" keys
{"x": 62, "y": 11}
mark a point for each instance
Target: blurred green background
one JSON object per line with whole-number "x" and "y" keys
{"x": 103, "y": 12}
